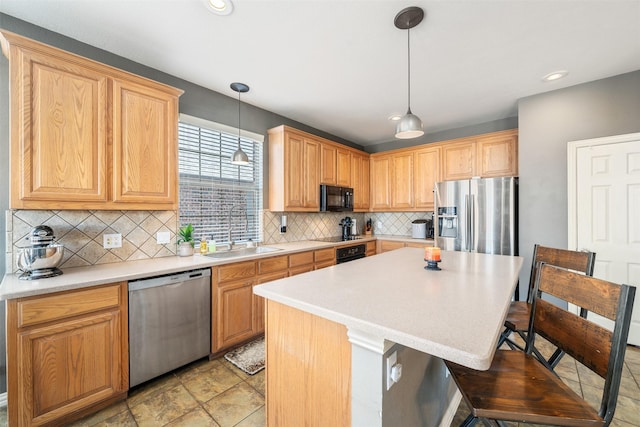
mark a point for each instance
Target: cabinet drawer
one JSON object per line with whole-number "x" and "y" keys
{"x": 302, "y": 258}
{"x": 34, "y": 310}
{"x": 322, "y": 255}
{"x": 299, "y": 270}
{"x": 389, "y": 245}
{"x": 273, "y": 264}
{"x": 235, "y": 271}
{"x": 324, "y": 264}
{"x": 417, "y": 244}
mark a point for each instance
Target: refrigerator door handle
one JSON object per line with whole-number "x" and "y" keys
{"x": 472, "y": 224}
{"x": 467, "y": 223}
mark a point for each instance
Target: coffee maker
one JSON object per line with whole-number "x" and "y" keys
{"x": 346, "y": 224}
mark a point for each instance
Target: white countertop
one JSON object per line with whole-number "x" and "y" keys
{"x": 81, "y": 277}
{"x": 455, "y": 314}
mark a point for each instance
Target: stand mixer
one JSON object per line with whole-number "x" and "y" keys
{"x": 42, "y": 258}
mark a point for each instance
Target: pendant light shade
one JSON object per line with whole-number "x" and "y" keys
{"x": 239, "y": 157}
{"x": 410, "y": 125}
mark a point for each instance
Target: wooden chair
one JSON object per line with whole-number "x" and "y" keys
{"x": 517, "y": 320}
{"x": 518, "y": 387}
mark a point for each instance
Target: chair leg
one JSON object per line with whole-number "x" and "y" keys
{"x": 469, "y": 421}
{"x": 555, "y": 358}
{"x": 492, "y": 423}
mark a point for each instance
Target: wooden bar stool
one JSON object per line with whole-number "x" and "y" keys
{"x": 518, "y": 387}
{"x": 517, "y": 320}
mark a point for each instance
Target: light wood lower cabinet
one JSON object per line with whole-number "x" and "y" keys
{"x": 67, "y": 354}
{"x": 371, "y": 248}
{"x": 391, "y": 245}
{"x": 238, "y": 314}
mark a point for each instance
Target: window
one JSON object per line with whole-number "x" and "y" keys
{"x": 217, "y": 197}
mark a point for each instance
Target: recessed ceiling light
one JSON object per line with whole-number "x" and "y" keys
{"x": 395, "y": 118}
{"x": 555, "y": 76}
{"x": 219, "y": 7}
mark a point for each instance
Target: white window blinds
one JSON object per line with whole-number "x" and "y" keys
{"x": 210, "y": 186}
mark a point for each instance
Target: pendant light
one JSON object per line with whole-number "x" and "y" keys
{"x": 239, "y": 158}
{"x": 410, "y": 125}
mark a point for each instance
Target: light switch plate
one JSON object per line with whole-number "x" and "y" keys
{"x": 162, "y": 237}
{"x": 110, "y": 241}
{"x": 391, "y": 362}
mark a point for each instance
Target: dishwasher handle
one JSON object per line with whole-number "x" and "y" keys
{"x": 153, "y": 282}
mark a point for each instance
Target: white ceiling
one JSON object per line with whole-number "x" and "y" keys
{"x": 341, "y": 66}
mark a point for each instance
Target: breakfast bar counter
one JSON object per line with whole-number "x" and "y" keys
{"x": 340, "y": 330}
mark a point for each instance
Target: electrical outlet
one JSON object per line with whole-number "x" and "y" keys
{"x": 110, "y": 241}
{"x": 394, "y": 369}
{"x": 162, "y": 237}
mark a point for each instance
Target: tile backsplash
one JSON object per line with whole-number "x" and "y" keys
{"x": 304, "y": 226}
{"x": 81, "y": 233}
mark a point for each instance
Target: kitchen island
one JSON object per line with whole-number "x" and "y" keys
{"x": 333, "y": 334}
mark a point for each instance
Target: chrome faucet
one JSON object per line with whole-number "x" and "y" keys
{"x": 246, "y": 222}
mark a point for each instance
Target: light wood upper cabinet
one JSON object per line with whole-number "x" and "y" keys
{"x": 360, "y": 181}
{"x": 498, "y": 154}
{"x": 343, "y": 169}
{"x": 380, "y": 182}
{"x": 88, "y": 136}
{"x": 68, "y": 353}
{"x": 426, "y": 173}
{"x": 145, "y": 143}
{"x": 485, "y": 156}
{"x": 328, "y": 164}
{"x": 458, "y": 160}
{"x": 299, "y": 162}
{"x": 402, "y": 181}
{"x": 294, "y": 171}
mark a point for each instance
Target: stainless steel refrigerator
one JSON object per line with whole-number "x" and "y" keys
{"x": 477, "y": 215}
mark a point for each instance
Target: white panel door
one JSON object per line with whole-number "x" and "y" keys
{"x": 604, "y": 189}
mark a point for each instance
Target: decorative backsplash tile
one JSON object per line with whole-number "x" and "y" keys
{"x": 81, "y": 233}
{"x": 396, "y": 223}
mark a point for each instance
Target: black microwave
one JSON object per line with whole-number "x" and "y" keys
{"x": 336, "y": 199}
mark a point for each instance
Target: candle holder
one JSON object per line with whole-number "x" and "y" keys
{"x": 432, "y": 265}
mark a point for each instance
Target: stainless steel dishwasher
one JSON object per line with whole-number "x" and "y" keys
{"x": 169, "y": 323}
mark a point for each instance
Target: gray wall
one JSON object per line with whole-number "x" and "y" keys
{"x": 546, "y": 123}
{"x": 477, "y": 129}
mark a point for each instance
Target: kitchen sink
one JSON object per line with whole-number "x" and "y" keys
{"x": 242, "y": 252}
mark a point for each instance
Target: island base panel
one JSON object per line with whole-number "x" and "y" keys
{"x": 308, "y": 361}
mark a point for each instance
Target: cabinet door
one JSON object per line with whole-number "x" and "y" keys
{"x": 427, "y": 173}
{"x": 365, "y": 185}
{"x": 389, "y": 245}
{"x": 58, "y": 135}
{"x": 259, "y": 302}
{"x": 328, "y": 164}
{"x": 68, "y": 366}
{"x": 343, "y": 169}
{"x": 497, "y": 155}
{"x": 381, "y": 182}
{"x": 402, "y": 181}
{"x": 293, "y": 171}
{"x": 311, "y": 174}
{"x": 145, "y": 149}
{"x": 360, "y": 181}
{"x": 234, "y": 314}
{"x": 458, "y": 161}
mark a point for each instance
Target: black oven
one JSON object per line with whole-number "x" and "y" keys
{"x": 336, "y": 199}
{"x": 350, "y": 253}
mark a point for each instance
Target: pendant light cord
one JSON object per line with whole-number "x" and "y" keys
{"x": 408, "y": 70}
{"x": 239, "y": 121}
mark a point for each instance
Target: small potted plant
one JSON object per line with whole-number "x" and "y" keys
{"x": 185, "y": 240}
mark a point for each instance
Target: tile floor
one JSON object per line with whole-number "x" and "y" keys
{"x": 216, "y": 393}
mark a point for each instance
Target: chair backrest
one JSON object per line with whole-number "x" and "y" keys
{"x": 581, "y": 261}
{"x": 597, "y": 348}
